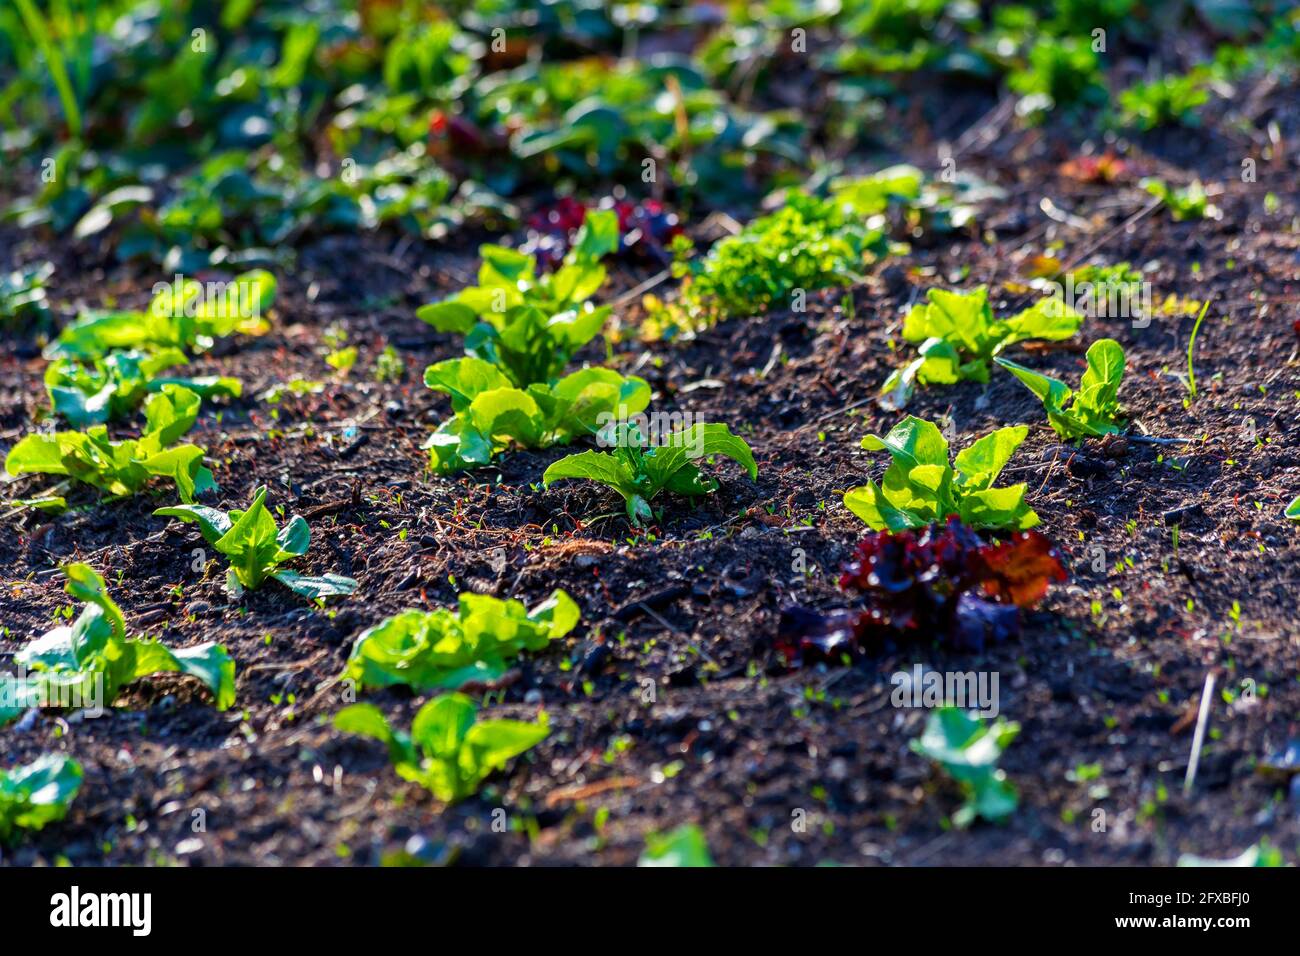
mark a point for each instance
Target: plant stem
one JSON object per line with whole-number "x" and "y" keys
{"x": 1191, "y": 348}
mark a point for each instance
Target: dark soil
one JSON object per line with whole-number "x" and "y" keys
{"x": 1107, "y": 671}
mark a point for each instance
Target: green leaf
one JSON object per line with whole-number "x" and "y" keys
{"x": 85, "y": 584}
{"x": 449, "y": 316}
{"x": 318, "y": 586}
{"x": 912, "y": 442}
{"x": 491, "y": 744}
{"x": 464, "y": 379}
{"x": 1053, "y": 393}
{"x": 367, "y": 720}
{"x": 1049, "y": 318}
{"x": 455, "y": 752}
{"x": 638, "y": 475}
{"x": 598, "y": 466}
{"x": 1094, "y": 409}
{"x": 979, "y": 464}
{"x": 170, "y": 413}
{"x": 968, "y": 748}
{"x": 36, "y": 454}
{"x": 95, "y": 656}
{"x": 423, "y": 650}
{"x": 997, "y": 508}
{"x": 684, "y": 846}
{"x": 920, "y": 487}
{"x": 1293, "y": 509}
{"x": 294, "y": 539}
{"x": 869, "y": 504}
{"x": 598, "y": 237}
{"x": 210, "y": 663}
{"x": 960, "y": 336}
{"x": 38, "y": 793}
{"x": 256, "y": 547}
{"x": 213, "y": 523}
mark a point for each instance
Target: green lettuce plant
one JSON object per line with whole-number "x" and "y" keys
{"x": 23, "y": 299}
{"x": 809, "y": 243}
{"x": 1092, "y": 411}
{"x": 89, "y": 662}
{"x": 37, "y": 793}
{"x": 490, "y": 413}
{"x": 123, "y": 467}
{"x": 968, "y": 749}
{"x": 959, "y": 336}
{"x": 109, "y": 389}
{"x": 256, "y": 547}
{"x": 1293, "y": 509}
{"x": 1184, "y": 202}
{"x": 527, "y": 325}
{"x": 639, "y": 473}
{"x": 181, "y": 315}
{"x": 1166, "y": 101}
{"x": 448, "y": 750}
{"x": 920, "y": 487}
{"x": 445, "y": 649}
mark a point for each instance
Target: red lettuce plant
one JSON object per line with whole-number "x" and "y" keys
{"x": 940, "y": 583}
{"x": 645, "y": 226}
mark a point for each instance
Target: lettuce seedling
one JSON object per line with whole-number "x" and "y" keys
{"x": 491, "y": 414}
{"x": 1166, "y": 101}
{"x": 684, "y": 846}
{"x": 959, "y": 336}
{"x": 968, "y": 750}
{"x": 448, "y": 751}
{"x": 37, "y": 793}
{"x": 110, "y": 388}
{"x": 1293, "y": 509}
{"x": 88, "y": 663}
{"x": 527, "y": 325}
{"x": 921, "y": 488}
{"x": 639, "y": 473}
{"x": 256, "y": 547}
{"x": 182, "y": 315}
{"x": 1092, "y": 411}
{"x": 1183, "y": 202}
{"x": 809, "y": 243}
{"x": 23, "y": 301}
{"x": 445, "y": 649}
{"x": 1060, "y": 71}
{"x": 124, "y": 467}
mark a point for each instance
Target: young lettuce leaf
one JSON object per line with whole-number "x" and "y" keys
{"x": 639, "y": 473}
{"x": 921, "y": 488}
{"x": 1092, "y": 411}
{"x": 37, "y": 793}
{"x": 256, "y": 547}
{"x": 529, "y": 326}
{"x": 88, "y": 663}
{"x": 968, "y": 748}
{"x": 448, "y": 751}
{"x": 111, "y": 388}
{"x": 124, "y": 467}
{"x": 444, "y": 649}
{"x": 186, "y": 315}
{"x": 490, "y": 414}
{"x": 959, "y": 336}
